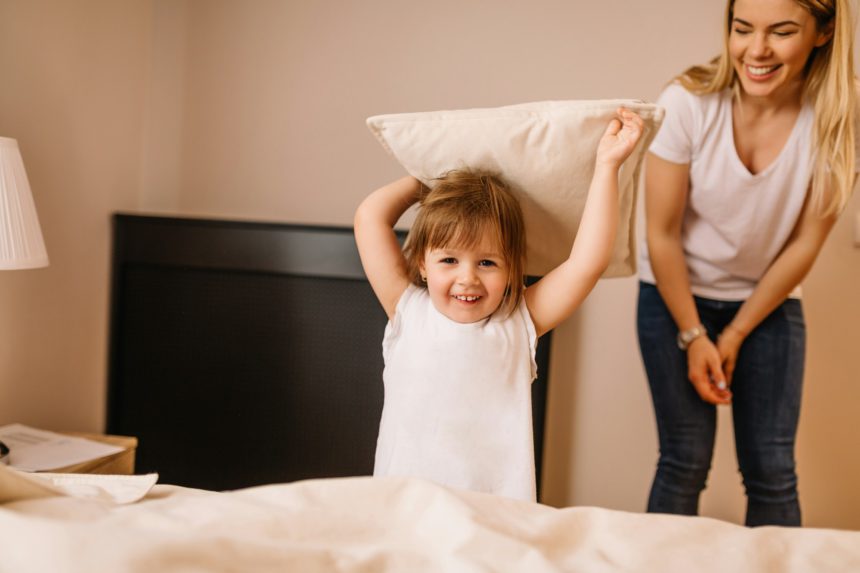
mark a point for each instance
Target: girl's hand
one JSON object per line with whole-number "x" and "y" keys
{"x": 619, "y": 139}
{"x": 705, "y": 372}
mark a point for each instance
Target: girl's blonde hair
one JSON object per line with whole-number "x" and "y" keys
{"x": 457, "y": 211}
{"x": 829, "y": 84}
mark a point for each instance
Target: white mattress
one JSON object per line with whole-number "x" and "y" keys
{"x": 388, "y": 524}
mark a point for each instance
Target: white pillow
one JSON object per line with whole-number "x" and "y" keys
{"x": 544, "y": 150}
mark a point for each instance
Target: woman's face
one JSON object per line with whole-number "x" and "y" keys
{"x": 770, "y": 42}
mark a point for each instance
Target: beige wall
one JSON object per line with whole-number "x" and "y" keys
{"x": 255, "y": 109}
{"x": 73, "y": 79}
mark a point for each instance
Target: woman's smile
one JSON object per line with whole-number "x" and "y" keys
{"x": 770, "y": 42}
{"x": 761, "y": 73}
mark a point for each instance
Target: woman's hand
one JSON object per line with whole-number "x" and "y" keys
{"x": 619, "y": 139}
{"x": 728, "y": 345}
{"x": 705, "y": 371}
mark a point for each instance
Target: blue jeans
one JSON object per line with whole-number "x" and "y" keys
{"x": 766, "y": 388}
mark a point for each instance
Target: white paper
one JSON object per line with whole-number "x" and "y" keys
{"x": 19, "y": 486}
{"x": 34, "y": 450}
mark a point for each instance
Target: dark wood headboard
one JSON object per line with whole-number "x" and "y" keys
{"x": 247, "y": 353}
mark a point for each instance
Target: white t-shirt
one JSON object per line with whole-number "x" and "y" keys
{"x": 458, "y": 399}
{"x": 735, "y": 223}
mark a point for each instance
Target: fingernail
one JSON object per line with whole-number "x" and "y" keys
{"x": 721, "y": 385}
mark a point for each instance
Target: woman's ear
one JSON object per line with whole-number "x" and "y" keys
{"x": 824, "y": 35}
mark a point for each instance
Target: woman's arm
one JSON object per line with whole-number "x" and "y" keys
{"x": 666, "y": 190}
{"x": 562, "y": 290}
{"x": 380, "y": 252}
{"x": 784, "y": 274}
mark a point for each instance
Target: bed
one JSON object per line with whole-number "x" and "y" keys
{"x": 280, "y": 442}
{"x": 378, "y": 524}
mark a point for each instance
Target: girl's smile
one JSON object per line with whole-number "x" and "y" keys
{"x": 466, "y": 298}
{"x": 466, "y": 284}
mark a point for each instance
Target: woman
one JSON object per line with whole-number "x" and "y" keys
{"x": 754, "y": 161}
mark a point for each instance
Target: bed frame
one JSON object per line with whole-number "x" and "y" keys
{"x": 246, "y": 353}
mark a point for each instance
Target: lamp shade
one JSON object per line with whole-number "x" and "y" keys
{"x": 21, "y": 244}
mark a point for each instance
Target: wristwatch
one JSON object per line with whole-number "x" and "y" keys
{"x": 685, "y": 337}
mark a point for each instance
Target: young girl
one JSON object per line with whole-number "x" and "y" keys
{"x": 753, "y": 162}
{"x": 459, "y": 346}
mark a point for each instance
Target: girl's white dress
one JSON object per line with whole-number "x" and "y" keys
{"x": 458, "y": 399}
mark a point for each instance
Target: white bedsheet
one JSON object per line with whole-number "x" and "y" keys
{"x": 389, "y": 524}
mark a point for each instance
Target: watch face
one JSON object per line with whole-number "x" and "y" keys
{"x": 687, "y": 336}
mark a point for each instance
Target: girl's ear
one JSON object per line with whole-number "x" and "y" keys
{"x": 422, "y": 271}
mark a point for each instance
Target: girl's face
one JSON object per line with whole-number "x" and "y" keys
{"x": 466, "y": 284}
{"x": 770, "y": 42}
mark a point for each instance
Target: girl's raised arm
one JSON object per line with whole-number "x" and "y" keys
{"x": 380, "y": 252}
{"x": 562, "y": 290}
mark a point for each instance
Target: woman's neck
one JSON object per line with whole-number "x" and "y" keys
{"x": 752, "y": 107}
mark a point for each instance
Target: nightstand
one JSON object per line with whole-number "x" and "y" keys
{"x": 120, "y": 463}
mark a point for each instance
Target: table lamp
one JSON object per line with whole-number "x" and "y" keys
{"x": 21, "y": 244}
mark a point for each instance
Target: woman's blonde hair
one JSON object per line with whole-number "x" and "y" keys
{"x": 830, "y": 85}
{"x": 461, "y": 207}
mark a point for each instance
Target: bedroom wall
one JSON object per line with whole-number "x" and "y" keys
{"x": 74, "y": 80}
{"x": 256, "y": 109}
